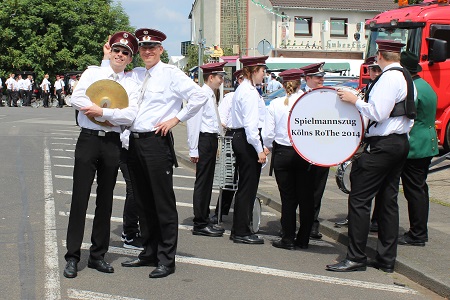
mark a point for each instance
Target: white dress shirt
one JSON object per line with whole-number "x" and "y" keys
{"x": 225, "y": 109}
{"x": 9, "y": 83}
{"x": 45, "y": 85}
{"x": 388, "y": 90}
{"x": 204, "y": 121}
{"x": 21, "y": 84}
{"x": 245, "y": 113}
{"x": 115, "y": 116}
{"x": 166, "y": 89}
{"x": 59, "y": 84}
{"x": 276, "y": 121}
{"x": 27, "y": 85}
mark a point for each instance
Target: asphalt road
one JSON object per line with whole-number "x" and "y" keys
{"x": 37, "y": 149}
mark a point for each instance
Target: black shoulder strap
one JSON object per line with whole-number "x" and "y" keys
{"x": 406, "y": 107}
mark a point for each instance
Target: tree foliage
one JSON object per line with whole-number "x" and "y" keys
{"x": 56, "y": 36}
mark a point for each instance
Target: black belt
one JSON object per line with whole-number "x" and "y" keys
{"x": 383, "y": 137}
{"x": 100, "y": 132}
{"x": 279, "y": 146}
{"x": 143, "y": 135}
{"x": 209, "y": 134}
{"x": 235, "y": 130}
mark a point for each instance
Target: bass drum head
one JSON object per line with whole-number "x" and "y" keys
{"x": 255, "y": 221}
{"x": 67, "y": 100}
{"x": 323, "y": 129}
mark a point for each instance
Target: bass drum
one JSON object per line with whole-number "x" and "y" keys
{"x": 255, "y": 221}
{"x": 324, "y": 130}
{"x": 343, "y": 176}
{"x": 67, "y": 100}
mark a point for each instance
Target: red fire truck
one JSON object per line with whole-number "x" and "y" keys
{"x": 425, "y": 29}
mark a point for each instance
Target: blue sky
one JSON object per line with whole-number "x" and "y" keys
{"x": 168, "y": 16}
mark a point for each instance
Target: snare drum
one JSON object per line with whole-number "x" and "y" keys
{"x": 343, "y": 176}
{"x": 323, "y": 129}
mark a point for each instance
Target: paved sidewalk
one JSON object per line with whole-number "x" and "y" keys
{"x": 429, "y": 265}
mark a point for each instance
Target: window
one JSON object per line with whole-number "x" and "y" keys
{"x": 338, "y": 27}
{"x": 441, "y": 32}
{"x": 303, "y": 26}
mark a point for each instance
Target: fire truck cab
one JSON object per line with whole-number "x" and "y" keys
{"x": 425, "y": 29}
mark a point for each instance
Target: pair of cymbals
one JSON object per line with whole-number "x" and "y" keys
{"x": 107, "y": 93}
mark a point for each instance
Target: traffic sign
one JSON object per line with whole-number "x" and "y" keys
{"x": 264, "y": 47}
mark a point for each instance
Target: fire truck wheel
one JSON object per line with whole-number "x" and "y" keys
{"x": 446, "y": 143}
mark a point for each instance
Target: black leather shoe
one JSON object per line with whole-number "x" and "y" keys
{"x": 162, "y": 271}
{"x": 315, "y": 235}
{"x": 347, "y": 266}
{"x": 208, "y": 231}
{"x": 343, "y": 222}
{"x": 283, "y": 245}
{"x": 71, "y": 270}
{"x": 100, "y": 265}
{"x": 138, "y": 263}
{"x": 380, "y": 266}
{"x": 407, "y": 240}
{"x": 300, "y": 245}
{"x": 248, "y": 239}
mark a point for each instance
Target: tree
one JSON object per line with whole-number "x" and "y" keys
{"x": 55, "y": 37}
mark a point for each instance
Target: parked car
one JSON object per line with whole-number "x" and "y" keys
{"x": 329, "y": 81}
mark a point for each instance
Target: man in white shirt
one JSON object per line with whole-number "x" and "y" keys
{"x": 10, "y": 82}
{"x": 59, "y": 90}
{"x": 27, "y": 90}
{"x": 1, "y": 92}
{"x": 45, "y": 87}
{"x": 97, "y": 152}
{"x": 203, "y": 131}
{"x": 22, "y": 91}
{"x": 151, "y": 153}
{"x": 273, "y": 84}
{"x": 377, "y": 171}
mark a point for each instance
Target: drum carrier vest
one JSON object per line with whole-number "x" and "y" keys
{"x": 405, "y": 107}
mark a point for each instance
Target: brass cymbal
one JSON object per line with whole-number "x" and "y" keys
{"x": 107, "y": 93}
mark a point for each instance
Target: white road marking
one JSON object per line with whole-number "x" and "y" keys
{"x": 190, "y": 227}
{"x": 64, "y": 157}
{"x": 88, "y": 295}
{"x": 64, "y": 166}
{"x": 52, "y": 284}
{"x": 64, "y": 144}
{"x": 62, "y": 138}
{"x": 64, "y": 150}
{"x": 270, "y": 271}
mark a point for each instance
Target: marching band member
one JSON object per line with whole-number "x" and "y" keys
{"x": 314, "y": 77}
{"x": 203, "y": 130}
{"x": 225, "y": 117}
{"x": 377, "y": 171}
{"x": 247, "y": 111}
{"x": 98, "y": 151}
{"x": 293, "y": 174}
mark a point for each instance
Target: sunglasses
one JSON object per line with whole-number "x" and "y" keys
{"x": 124, "y": 52}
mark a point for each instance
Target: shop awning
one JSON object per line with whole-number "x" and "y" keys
{"x": 328, "y": 67}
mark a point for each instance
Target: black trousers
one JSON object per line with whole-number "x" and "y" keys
{"x": 414, "y": 181}
{"x": 296, "y": 186}
{"x": 249, "y": 170}
{"x": 320, "y": 175}
{"x": 46, "y": 95}
{"x": 130, "y": 209}
{"x": 204, "y": 177}
{"x": 9, "y": 94}
{"x": 27, "y": 98}
{"x": 376, "y": 173}
{"x": 150, "y": 164}
{"x": 14, "y": 97}
{"x": 60, "y": 99}
{"x": 93, "y": 154}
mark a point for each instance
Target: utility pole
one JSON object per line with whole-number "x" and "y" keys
{"x": 201, "y": 45}
{"x": 239, "y": 28}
